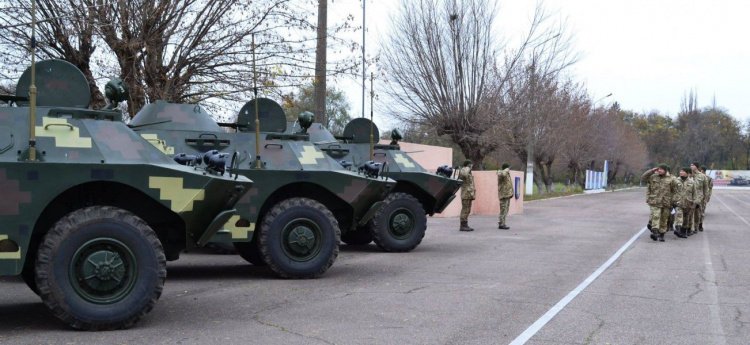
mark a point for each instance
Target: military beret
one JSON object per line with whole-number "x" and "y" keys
{"x": 687, "y": 170}
{"x": 505, "y": 166}
{"x": 697, "y": 165}
{"x": 703, "y": 167}
{"x": 467, "y": 162}
{"x": 664, "y": 166}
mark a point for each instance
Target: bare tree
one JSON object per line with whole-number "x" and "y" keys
{"x": 65, "y": 31}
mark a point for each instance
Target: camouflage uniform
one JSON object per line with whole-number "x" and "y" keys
{"x": 468, "y": 192}
{"x": 504, "y": 193}
{"x": 701, "y": 187}
{"x": 661, "y": 190}
{"x": 686, "y": 202}
{"x": 671, "y": 219}
{"x": 710, "y": 191}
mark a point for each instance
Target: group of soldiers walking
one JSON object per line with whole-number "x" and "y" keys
{"x": 468, "y": 194}
{"x": 677, "y": 203}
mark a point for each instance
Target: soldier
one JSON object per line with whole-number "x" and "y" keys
{"x": 701, "y": 186}
{"x": 673, "y": 211}
{"x": 468, "y": 193}
{"x": 504, "y": 193}
{"x": 685, "y": 201}
{"x": 661, "y": 190}
{"x": 710, "y": 187}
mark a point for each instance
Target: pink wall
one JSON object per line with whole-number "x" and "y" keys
{"x": 487, "y": 202}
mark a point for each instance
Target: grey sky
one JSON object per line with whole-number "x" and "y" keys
{"x": 646, "y": 53}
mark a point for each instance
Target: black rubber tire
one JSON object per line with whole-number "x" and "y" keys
{"x": 359, "y": 237}
{"x": 399, "y": 205}
{"x": 302, "y": 213}
{"x": 250, "y": 252}
{"x": 29, "y": 277}
{"x": 125, "y": 241}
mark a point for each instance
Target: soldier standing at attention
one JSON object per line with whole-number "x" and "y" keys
{"x": 504, "y": 192}
{"x": 710, "y": 187}
{"x": 468, "y": 193}
{"x": 701, "y": 185}
{"x": 661, "y": 191}
{"x": 686, "y": 202}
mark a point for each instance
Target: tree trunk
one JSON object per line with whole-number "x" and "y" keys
{"x": 320, "y": 63}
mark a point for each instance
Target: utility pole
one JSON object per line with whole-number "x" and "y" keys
{"x": 320, "y": 63}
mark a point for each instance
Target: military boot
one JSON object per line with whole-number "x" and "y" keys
{"x": 465, "y": 227}
{"x": 502, "y": 226}
{"x": 661, "y": 237}
{"x": 680, "y": 232}
{"x": 700, "y": 227}
{"x": 653, "y": 233}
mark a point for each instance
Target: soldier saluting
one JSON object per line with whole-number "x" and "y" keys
{"x": 661, "y": 190}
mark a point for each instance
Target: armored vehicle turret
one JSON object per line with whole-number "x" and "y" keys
{"x": 400, "y": 225}
{"x": 90, "y": 211}
{"x": 292, "y": 220}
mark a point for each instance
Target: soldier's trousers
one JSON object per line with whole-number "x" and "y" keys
{"x": 504, "y": 207}
{"x": 659, "y": 217}
{"x": 697, "y": 217}
{"x": 683, "y": 217}
{"x": 465, "y": 209}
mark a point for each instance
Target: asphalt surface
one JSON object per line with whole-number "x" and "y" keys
{"x": 481, "y": 287}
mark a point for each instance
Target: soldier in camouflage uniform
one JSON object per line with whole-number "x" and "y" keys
{"x": 661, "y": 190}
{"x": 685, "y": 201}
{"x": 710, "y": 187}
{"x": 468, "y": 193}
{"x": 671, "y": 219}
{"x": 504, "y": 192}
{"x": 701, "y": 185}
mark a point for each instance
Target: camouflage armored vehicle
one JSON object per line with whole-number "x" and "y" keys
{"x": 293, "y": 220}
{"x": 90, "y": 211}
{"x": 400, "y": 225}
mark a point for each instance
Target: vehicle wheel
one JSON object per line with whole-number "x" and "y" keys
{"x": 299, "y": 238}
{"x": 29, "y": 278}
{"x": 399, "y": 226}
{"x": 250, "y": 252}
{"x": 100, "y": 268}
{"x": 359, "y": 237}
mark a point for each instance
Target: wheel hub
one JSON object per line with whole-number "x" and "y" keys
{"x": 402, "y": 224}
{"x": 302, "y": 240}
{"x": 103, "y": 271}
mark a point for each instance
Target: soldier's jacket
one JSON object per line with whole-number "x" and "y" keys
{"x": 504, "y": 184}
{"x": 661, "y": 189}
{"x": 686, "y": 196}
{"x": 701, "y": 185}
{"x": 467, "y": 187}
{"x": 710, "y": 187}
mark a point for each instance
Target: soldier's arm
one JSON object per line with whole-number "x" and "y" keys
{"x": 647, "y": 175}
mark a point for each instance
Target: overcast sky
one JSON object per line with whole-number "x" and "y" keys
{"x": 646, "y": 53}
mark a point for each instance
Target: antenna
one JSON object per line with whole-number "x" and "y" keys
{"x": 32, "y": 88}
{"x": 372, "y": 95}
{"x": 257, "y": 122}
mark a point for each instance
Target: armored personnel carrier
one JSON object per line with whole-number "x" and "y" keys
{"x": 90, "y": 211}
{"x": 293, "y": 220}
{"x": 400, "y": 225}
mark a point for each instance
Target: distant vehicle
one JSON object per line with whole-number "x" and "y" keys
{"x": 90, "y": 211}
{"x": 302, "y": 200}
{"x": 740, "y": 181}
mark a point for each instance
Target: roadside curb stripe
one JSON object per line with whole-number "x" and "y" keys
{"x": 538, "y": 324}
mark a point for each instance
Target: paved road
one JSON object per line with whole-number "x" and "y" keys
{"x": 483, "y": 287}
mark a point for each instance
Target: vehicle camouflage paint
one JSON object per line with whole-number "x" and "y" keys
{"x": 400, "y": 225}
{"x": 303, "y": 199}
{"x": 91, "y": 222}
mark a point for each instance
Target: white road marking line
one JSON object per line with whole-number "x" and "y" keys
{"x": 713, "y": 293}
{"x": 538, "y": 324}
{"x": 731, "y": 210}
